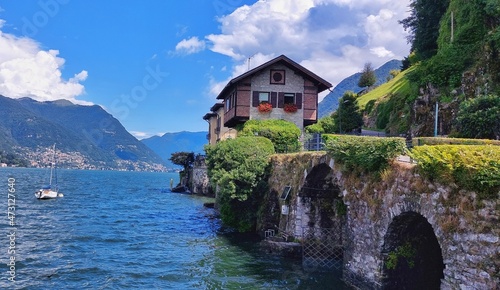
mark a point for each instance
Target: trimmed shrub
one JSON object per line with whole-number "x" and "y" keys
{"x": 285, "y": 135}
{"x": 365, "y": 154}
{"x": 452, "y": 141}
{"x": 473, "y": 167}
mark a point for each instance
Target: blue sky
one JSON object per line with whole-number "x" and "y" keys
{"x": 158, "y": 65}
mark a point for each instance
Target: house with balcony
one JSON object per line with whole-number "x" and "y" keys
{"x": 216, "y": 129}
{"x": 277, "y": 89}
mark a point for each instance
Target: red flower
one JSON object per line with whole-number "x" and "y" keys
{"x": 290, "y": 108}
{"x": 265, "y": 107}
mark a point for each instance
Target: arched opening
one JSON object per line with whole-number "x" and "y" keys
{"x": 412, "y": 255}
{"x": 323, "y": 218}
{"x": 322, "y": 194}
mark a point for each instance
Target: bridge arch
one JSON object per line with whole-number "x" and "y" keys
{"x": 412, "y": 255}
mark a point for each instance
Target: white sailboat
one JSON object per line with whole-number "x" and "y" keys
{"x": 50, "y": 190}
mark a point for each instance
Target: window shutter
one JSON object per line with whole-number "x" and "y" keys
{"x": 273, "y": 99}
{"x": 298, "y": 100}
{"x": 255, "y": 99}
{"x": 281, "y": 100}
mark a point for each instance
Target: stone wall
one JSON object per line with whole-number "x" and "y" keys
{"x": 465, "y": 227}
{"x": 200, "y": 183}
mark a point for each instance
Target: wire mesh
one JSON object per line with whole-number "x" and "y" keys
{"x": 322, "y": 248}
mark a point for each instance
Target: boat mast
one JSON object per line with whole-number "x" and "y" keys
{"x": 52, "y": 162}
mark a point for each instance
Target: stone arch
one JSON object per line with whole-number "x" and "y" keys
{"x": 412, "y": 256}
{"x": 322, "y": 194}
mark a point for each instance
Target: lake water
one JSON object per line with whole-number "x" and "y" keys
{"x": 123, "y": 230}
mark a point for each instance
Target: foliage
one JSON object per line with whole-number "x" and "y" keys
{"x": 394, "y": 72}
{"x": 237, "y": 167}
{"x": 473, "y": 167}
{"x": 418, "y": 141}
{"x": 367, "y": 77}
{"x": 184, "y": 159}
{"x": 324, "y": 125}
{"x": 347, "y": 116}
{"x": 479, "y": 117}
{"x": 364, "y": 154}
{"x": 316, "y": 128}
{"x": 283, "y": 134}
{"x": 12, "y": 160}
{"x": 399, "y": 85}
{"x": 457, "y": 52}
{"x": 329, "y": 104}
{"x": 405, "y": 251}
{"x": 423, "y": 25}
{"x": 265, "y": 107}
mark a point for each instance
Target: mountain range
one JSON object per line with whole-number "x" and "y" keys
{"x": 183, "y": 141}
{"x": 86, "y": 137}
{"x": 330, "y": 103}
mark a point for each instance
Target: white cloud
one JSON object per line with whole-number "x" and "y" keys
{"x": 28, "y": 71}
{"x": 333, "y": 38}
{"x": 190, "y": 46}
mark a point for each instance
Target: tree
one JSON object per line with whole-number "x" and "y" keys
{"x": 184, "y": 159}
{"x": 238, "y": 168}
{"x": 347, "y": 117}
{"x": 368, "y": 77}
{"x": 423, "y": 25}
{"x": 479, "y": 118}
{"x": 324, "y": 125}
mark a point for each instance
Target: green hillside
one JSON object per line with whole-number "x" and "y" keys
{"x": 456, "y": 68}
{"x": 398, "y": 85}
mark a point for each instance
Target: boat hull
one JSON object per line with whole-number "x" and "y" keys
{"x": 45, "y": 194}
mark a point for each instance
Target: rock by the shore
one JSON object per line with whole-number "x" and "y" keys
{"x": 281, "y": 248}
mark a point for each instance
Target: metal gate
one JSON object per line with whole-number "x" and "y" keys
{"x": 322, "y": 248}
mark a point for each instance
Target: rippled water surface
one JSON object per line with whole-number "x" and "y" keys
{"x": 120, "y": 230}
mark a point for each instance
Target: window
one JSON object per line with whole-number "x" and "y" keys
{"x": 230, "y": 101}
{"x": 289, "y": 98}
{"x": 263, "y": 97}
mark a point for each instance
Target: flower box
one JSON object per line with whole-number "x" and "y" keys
{"x": 290, "y": 108}
{"x": 265, "y": 107}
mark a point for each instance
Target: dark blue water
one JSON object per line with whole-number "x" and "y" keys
{"x": 119, "y": 230}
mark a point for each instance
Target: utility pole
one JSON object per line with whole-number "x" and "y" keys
{"x": 452, "y": 27}
{"x": 436, "y": 120}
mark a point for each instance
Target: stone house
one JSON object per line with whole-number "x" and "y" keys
{"x": 277, "y": 89}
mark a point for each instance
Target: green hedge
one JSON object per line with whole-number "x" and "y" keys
{"x": 284, "y": 134}
{"x": 452, "y": 141}
{"x": 368, "y": 154}
{"x": 474, "y": 167}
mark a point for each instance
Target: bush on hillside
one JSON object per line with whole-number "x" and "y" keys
{"x": 479, "y": 118}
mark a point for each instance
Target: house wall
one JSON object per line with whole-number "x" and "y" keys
{"x": 224, "y": 132}
{"x": 293, "y": 84}
{"x": 310, "y": 99}
{"x": 212, "y": 135}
